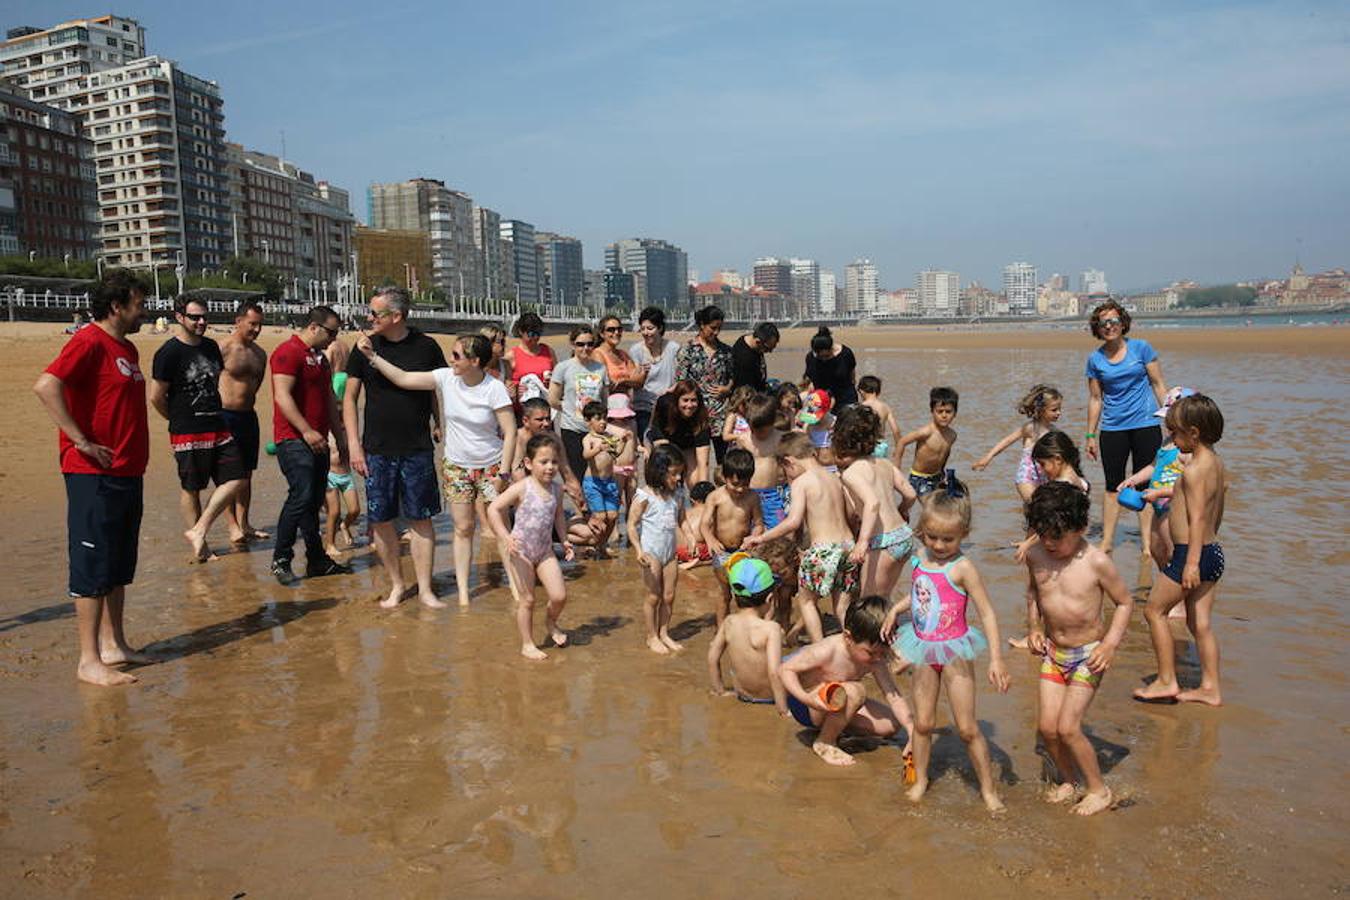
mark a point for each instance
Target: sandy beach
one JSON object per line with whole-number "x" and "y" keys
{"x": 303, "y": 741}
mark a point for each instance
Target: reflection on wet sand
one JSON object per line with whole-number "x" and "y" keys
{"x": 303, "y": 741}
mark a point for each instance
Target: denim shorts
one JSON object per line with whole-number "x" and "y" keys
{"x": 401, "y": 486}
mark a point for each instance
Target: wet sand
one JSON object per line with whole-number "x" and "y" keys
{"x": 303, "y": 741}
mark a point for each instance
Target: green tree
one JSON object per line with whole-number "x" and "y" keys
{"x": 1219, "y": 295}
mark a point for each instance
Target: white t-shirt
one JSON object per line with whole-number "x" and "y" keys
{"x": 472, "y": 440}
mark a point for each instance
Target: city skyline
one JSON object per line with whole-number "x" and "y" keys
{"x": 1131, "y": 141}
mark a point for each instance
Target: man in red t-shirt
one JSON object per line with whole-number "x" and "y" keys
{"x": 95, "y": 393}
{"x": 304, "y": 411}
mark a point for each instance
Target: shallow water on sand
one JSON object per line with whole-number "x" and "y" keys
{"x": 304, "y": 741}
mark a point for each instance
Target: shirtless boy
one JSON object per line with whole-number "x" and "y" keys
{"x": 829, "y": 567}
{"x": 245, "y": 364}
{"x": 753, "y": 643}
{"x": 933, "y": 442}
{"x": 731, "y": 515}
{"x": 694, "y": 552}
{"x": 1197, "y": 558}
{"x": 1067, "y": 578}
{"x": 870, "y": 482}
{"x": 601, "y": 447}
{"x": 844, "y": 659}
{"x": 888, "y": 443}
{"x": 762, "y": 415}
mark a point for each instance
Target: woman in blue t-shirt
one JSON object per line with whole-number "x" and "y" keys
{"x": 1125, "y": 389}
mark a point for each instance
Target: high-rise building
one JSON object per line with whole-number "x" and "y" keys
{"x": 324, "y": 248}
{"x": 446, "y": 215}
{"x": 826, "y": 293}
{"x": 593, "y": 289}
{"x": 388, "y": 256}
{"x": 564, "y": 280}
{"x": 806, "y": 286}
{"x": 48, "y": 63}
{"x": 860, "y": 288}
{"x": 523, "y": 261}
{"x": 939, "y": 292}
{"x": 730, "y": 277}
{"x": 1093, "y": 281}
{"x": 487, "y": 240}
{"x": 1019, "y": 285}
{"x": 47, "y": 199}
{"x": 773, "y": 274}
{"x": 1058, "y": 282}
{"x": 663, "y": 266}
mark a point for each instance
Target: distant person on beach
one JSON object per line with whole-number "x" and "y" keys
{"x": 932, "y": 442}
{"x": 185, "y": 390}
{"x": 243, "y": 365}
{"x": 1068, "y": 579}
{"x": 94, "y": 392}
{"x": 1042, "y": 406}
{"x": 842, "y": 661}
{"x": 1125, "y": 386}
{"x": 1192, "y": 577}
{"x": 304, "y": 411}
{"x": 705, "y": 362}
{"x": 832, "y": 367}
{"x": 396, "y": 453}
{"x": 748, "y": 366}
{"x": 657, "y": 353}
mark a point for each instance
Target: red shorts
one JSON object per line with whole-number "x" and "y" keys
{"x": 701, "y": 553}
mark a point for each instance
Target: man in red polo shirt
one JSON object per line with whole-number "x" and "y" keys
{"x": 304, "y": 410}
{"x": 95, "y": 393}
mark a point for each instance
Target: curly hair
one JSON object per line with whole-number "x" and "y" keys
{"x": 856, "y": 431}
{"x": 1094, "y": 321}
{"x": 1056, "y": 509}
{"x": 1037, "y": 399}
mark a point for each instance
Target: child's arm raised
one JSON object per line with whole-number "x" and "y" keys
{"x": 1004, "y": 444}
{"x": 715, "y": 651}
{"x": 967, "y": 577}
{"x": 1108, "y": 576}
{"x": 496, "y": 512}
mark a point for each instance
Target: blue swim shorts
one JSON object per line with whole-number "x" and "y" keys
{"x": 602, "y": 494}
{"x": 1211, "y": 562}
{"x": 401, "y": 486}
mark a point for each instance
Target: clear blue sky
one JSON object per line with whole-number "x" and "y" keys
{"x": 1154, "y": 140}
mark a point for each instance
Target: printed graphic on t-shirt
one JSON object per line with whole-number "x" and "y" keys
{"x": 589, "y": 388}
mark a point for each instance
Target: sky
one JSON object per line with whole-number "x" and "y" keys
{"x": 1152, "y": 140}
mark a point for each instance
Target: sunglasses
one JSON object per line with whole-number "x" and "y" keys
{"x": 194, "y": 317}
{"x": 614, "y": 329}
{"x": 379, "y": 313}
{"x": 583, "y": 345}
{"x": 1108, "y": 323}
{"x": 457, "y": 356}
{"x": 332, "y": 332}
{"x": 532, "y": 332}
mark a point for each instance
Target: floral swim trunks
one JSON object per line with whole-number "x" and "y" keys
{"x": 825, "y": 568}
{"x": 463, "y": 485}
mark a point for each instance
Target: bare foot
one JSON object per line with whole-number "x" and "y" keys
{"x": 832, "y": 754}
{"x": 530, "y": 651}
{"x": 993, "y": 802}
{"x": 671, "y": 642}
{"x": 1060, "y": 793}
{"x": 1094, "y": 803}
{"x": 253, "y": 534}
{"x": 1157, "y": 692}
{"x": 200, "y": 551}
{"x": 1206, "y": 695}
{"x": 394, "y": 599}
{"x": 116, "y": 656}
{"x": 1018, "y": 643}
{"x": 332, "y": 550}
{"x": 100, "y": 674}
{"x": 558, "y": 635}
{"x": 463, "y": 600}
{"x": 430, "y": 600}
{"x": 917, "y": 790}
{"x": 347, "y": 535}
{"x": 654, "y": 644}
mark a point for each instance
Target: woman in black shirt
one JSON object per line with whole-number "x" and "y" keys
{"x": 831, "y": 367}
{"x": 681, "y": 420}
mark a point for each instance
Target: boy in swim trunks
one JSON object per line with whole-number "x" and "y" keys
{"x": 1197, "y": 558}
{"x": 601, "y": 446}
{"x": 933, "y": 442}
{"x": 694, "y": 552}
{"x": 888, "y": 443}
{"x": 754, "y": 643}
{"x": 830, "y": 565}
{"x": 845, "y": 659}
{"x": 871, "y": 483}
{"x": 1067, "y": 577}
{"x": 762, "y": 414}
{"x": 731, "y": 516}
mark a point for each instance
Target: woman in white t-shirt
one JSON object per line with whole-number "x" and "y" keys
{"x": 480, "y": 432}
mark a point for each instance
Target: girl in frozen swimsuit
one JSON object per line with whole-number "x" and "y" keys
{"x": 654, "y": 518}
{"x": 939, "y": 643}
{"x": 1042, "y": 406}
{"x": 538, "y": 514}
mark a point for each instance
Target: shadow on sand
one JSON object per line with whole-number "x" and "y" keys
{"x": 213, "y": 637}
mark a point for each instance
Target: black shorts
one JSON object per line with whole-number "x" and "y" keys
{"x": 103, "y": 524}
{"x": 199, "y": 466}
{"x": 1137, "y": 445}
{"x": 243, "y": 424}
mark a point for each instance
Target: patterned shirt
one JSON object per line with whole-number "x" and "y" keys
{"x": 708, "y": 372}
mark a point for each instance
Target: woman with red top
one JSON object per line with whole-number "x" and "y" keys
{"x": 532, "y": 361}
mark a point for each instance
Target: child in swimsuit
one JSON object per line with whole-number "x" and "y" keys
{"x": 693, "y": 551}
{"x": 763, "y": 412}
{"x": 537, "y": 500}
{"x": 869, "y": 392}
{"x": 1161, "y": 478}
{"x": 602, "y": 445}
{"x": 653, "y": 522}
{"x": 1042, "y": 406}
{"x": 933, "y": 442}
{"x": 736, "y": 421}
{"x": 939, "y": 643}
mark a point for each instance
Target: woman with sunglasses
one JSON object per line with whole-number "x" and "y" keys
{"x": 706, "y": 361}
{"x": 574, "y": 383}
{"x": 480, "y": 435}
{"x": 1125, "y": 389}
{"x": 625, "y": 375}
{"x": 531, "y": 357}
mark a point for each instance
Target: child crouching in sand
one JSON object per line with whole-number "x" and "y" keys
{"x": 825, "y": 690}
{"x": 754, "y": 643}
{"x": 1064, "y": 627}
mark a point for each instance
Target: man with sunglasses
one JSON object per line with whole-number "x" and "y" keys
{"x": 395, "y": 454}
{"x": 304, "y": 409}
{"x": 185, "y": 390}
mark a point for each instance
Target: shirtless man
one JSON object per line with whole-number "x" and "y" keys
{"x": 1067, "y": 577}
{"x": 245, "y": 364}
{"x": 829, "y": 567}
{"x": 933, "y": 442}
{"x": 731, "y": 515}
{"x": 753, "y": 644}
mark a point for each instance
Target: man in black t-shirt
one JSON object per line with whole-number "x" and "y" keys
{"x": 185, "y": 389}
{"x": 396, "y": 454}
{"x": 747, "y": 356}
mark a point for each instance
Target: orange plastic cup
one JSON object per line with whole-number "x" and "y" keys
{"x": 832, "y": 694}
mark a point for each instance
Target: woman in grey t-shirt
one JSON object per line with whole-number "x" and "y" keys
{"x": 658, "y": 354}
{"x": 574, "y": 383}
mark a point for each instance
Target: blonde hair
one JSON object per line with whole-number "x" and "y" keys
{"x": 950, "y": 502}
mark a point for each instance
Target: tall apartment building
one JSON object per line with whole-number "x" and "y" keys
{"x": 1093, "y": 281}
{"x": 663, "y": 266}
{"x": 325, "y": 248}
{"x": 561, "y": 268}
{"x": 730, "y": 277}
{"x": 825, "y": 291}
{"x": 774, "y": 274}
{"x": 493, "y": 259}
{"x": 48, "y": 203}
{"x": 387, "y": 256}
{"x": 48, "y": 63}
{"x": 806, "y": 286}
{"x": 939, "y": 292}
{"x": 446, "y": 215}
{"x": 522, "y": 261}
{"x": 860, "y": 288}
{"x": 1019, "y": 286}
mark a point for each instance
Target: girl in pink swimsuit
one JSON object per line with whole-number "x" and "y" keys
{"x": 1041, "y": 405}
{"x": 939, "y": 642}
{"x": 539, "y": 513}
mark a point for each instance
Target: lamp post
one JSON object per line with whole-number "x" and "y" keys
{"x": 267, "y": 251}
{"x": 66, "y": 258}
{"x": 98, "y": 264}
{"x": 180, "y": 270}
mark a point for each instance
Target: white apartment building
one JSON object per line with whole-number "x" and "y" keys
{"x": 1019, "y": 286}
{"x": 806, "y": 286}
{"x": 48, "y": 63}
{"x": 826, "y": 291}
{"x": 1093, "y": 281}
{"x": 860, "y": 288}
{"x": 938, "y": 292}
